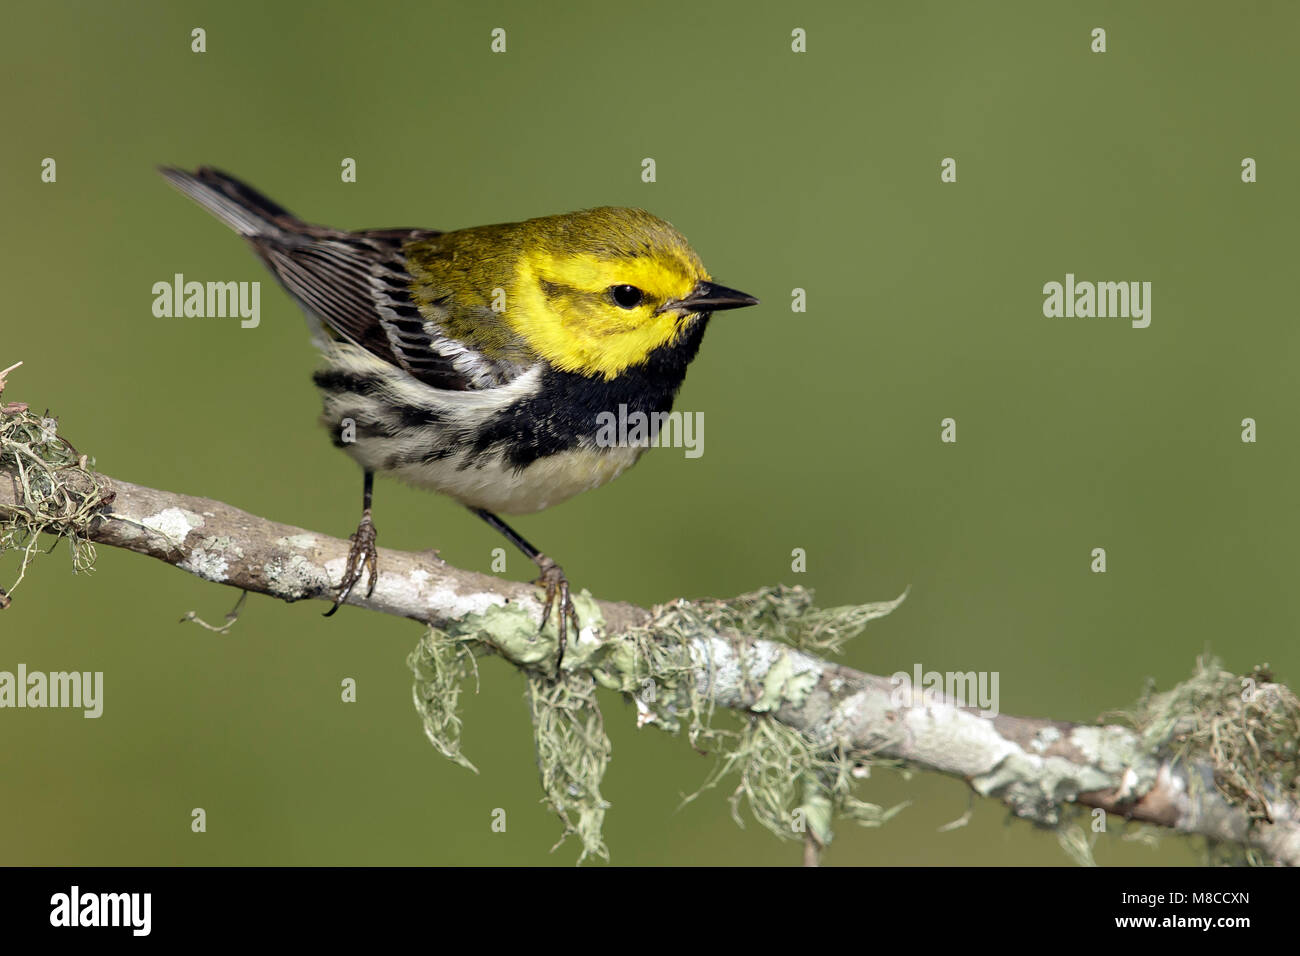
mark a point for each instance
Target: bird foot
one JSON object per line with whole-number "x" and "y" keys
{"x": 362, "y": 556}
{"x": 557, "y": 591}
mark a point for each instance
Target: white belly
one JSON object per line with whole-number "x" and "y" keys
{"x": 486, "y": 481}
{"x": 494, "y": 485}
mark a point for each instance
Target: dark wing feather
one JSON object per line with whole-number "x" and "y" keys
{"x": 357, "y": 283}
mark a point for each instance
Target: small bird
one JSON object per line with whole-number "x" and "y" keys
{"x": 476, "y": 362}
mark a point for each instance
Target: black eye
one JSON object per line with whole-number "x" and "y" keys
{"x": 626, "y": 296}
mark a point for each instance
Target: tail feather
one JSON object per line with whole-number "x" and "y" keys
{"x": 238, "y": 205}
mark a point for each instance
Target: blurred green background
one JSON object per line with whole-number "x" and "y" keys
{"x": 817, "y": 170}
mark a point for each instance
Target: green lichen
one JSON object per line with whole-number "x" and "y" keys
{"x": 783, "y": 686}
{"x": 572, "y": 755}
{"x": 791, "y": 786}
{"x": 58, "y": 490}
{"x": 441, "y": 663}
{"x": 1246, "y": 727}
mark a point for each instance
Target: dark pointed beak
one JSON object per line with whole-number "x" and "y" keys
{"x": 708, "y": 297}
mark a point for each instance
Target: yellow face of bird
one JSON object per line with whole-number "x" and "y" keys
{"x": 597, "y": 292}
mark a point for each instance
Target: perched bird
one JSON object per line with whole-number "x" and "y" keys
{"x": 476, "y": 362}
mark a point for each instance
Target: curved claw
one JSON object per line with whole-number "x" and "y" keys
{"x": 362, "y": 556}
{"x": 558, "y": 585}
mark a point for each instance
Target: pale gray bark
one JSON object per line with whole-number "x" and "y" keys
{"x": 1034, "y": 766}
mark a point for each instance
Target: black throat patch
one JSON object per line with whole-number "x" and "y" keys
{"x": 566, "y": 407}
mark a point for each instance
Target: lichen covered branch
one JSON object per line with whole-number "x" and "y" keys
{"x": 809, "y": 725}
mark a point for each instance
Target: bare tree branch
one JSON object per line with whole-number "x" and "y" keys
{"x": 1034, "y": 766}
